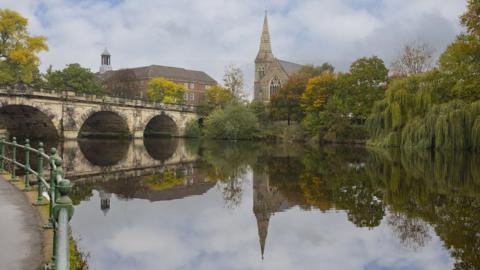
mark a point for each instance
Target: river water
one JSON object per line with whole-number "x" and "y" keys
{"x": 180, "y": 204}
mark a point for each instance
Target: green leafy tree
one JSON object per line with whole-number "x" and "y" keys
{"x": 235, "y": 122}
{"x": 461, "y": 61}
{"x": 313, "y": 71}
{"x": 260, "y": 110}
{"x": 163, "y": 90}
{"x": 285, "y": 105}
{"x": 471, "y": 18}
{"x": 18, "y": 50}
{"x": 361, "y": 87}
{"x": 73, "y": 78}
{"x": 215, "y": 97}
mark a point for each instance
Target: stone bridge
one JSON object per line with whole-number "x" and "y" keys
{"x": 41, "y": 113}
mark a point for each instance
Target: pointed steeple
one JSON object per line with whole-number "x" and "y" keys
{"x": 262, "y": 225}
{"x": 265, "y": 50}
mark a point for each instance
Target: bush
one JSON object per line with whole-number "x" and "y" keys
{"x": 281, "y": 131}
{"x": 193, "y": 129}
{"x": 235, "y": 122}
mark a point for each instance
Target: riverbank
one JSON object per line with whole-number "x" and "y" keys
{"x": 22, "y": 240}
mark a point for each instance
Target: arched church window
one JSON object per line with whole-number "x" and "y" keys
{"x": 275, "y": 85}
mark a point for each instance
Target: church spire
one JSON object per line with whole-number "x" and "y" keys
{"x": 262, "y": 225}
{"x": 265, "y": 43}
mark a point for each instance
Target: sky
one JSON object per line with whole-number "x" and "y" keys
{"x": 208, "y": 35}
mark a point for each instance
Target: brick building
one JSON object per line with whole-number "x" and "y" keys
{"x": 132, "y": 82}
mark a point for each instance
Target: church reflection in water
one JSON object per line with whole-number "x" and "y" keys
{"x": 417, "y": 194}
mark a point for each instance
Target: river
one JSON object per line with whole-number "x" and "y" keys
{"x": 184, "y": 204}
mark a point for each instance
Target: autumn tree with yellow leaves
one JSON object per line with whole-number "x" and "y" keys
{"x": 18, "y": 49}
{"x": 163, "y": 90}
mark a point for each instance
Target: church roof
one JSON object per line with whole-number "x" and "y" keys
{"x": 170, "y": 73}
{"x": 289, "y": 67}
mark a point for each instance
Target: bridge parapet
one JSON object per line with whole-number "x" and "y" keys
{"x": 112, "y": 100}
{"x": 66, "y": 112}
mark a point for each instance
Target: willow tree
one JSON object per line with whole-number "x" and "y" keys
{"x": 440, "y": 108}
{"x": 18, "y": 49}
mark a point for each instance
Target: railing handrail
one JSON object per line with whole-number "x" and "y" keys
{"x": 61, "y": 208}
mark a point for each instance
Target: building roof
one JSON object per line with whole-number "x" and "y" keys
{"x": 289, "y": 67}
{"x": 105, "y": 52}
{"x": 170, "y": 73}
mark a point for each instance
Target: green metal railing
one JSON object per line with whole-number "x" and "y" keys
{"x": 57, "y": 187}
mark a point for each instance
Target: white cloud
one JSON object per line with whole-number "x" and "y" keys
{"x": 210, "y": 34}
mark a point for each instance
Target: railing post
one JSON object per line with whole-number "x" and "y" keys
{"x": 59, "y": 171}
{"x": 40, "y": 200}
{"x": 14, "y": 159}
{"x": 51, "y": 191}
{"x": 27, "y": 166}
{"x": 63, "y": 212}
{"x": 2, "y": 153}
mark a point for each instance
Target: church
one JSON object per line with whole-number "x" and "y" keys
{"x": 270, "y": 72}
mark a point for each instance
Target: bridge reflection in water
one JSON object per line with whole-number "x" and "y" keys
{"x": 421, "y": 210}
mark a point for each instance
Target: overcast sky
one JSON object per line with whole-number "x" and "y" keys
{"x": 210, "y": 34}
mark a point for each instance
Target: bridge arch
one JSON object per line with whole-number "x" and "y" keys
{"x": 162, "y": 125}
{"x": 28, "y": 121}
{"x": 104, "y": 123}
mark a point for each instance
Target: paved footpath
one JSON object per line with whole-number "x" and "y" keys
{"x": 20, "y": 235}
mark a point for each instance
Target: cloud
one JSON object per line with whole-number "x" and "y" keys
{"x": 210, "y": 34}
{"x": 200, "y": 233}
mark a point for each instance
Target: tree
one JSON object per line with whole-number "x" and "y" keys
{"x": 234, "y": 122}
{"x": 123, "y": 83}
{"x": 415, "y": 58}
{"x": 285, "y": 105}
{"x": 461, "y": 60}
{"x": 215, "y": 97}
{"x": 233, "y": 80}
{"x": 316, "y": 71}
{"x": 163, "y": 90}
{"x": 18, "y": 50}
{"x": 73, "y": 78}
{"x": 471, "y": 18}
{"x": 361, "y": 87}
{"x": 260, "y": 110}
{"x": 318, "y": 90}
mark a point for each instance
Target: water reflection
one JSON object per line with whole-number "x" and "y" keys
{"x": 230, "y": 205}
{"x": 161, "y": 148}
{"x": 103, "y": 152}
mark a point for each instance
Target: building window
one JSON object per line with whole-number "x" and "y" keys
{"x": 192, "y": 96}
{"x": 275, "y": 85}
{"x": 191, "y": 86}
{"x": 186, "y": 85}
{"x": 207, "y": 87}
{"x": 261, "y": 71}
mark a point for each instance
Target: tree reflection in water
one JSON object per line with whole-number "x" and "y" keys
{"x": 422, "y": 191}
{"x": 418, "y": 194}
